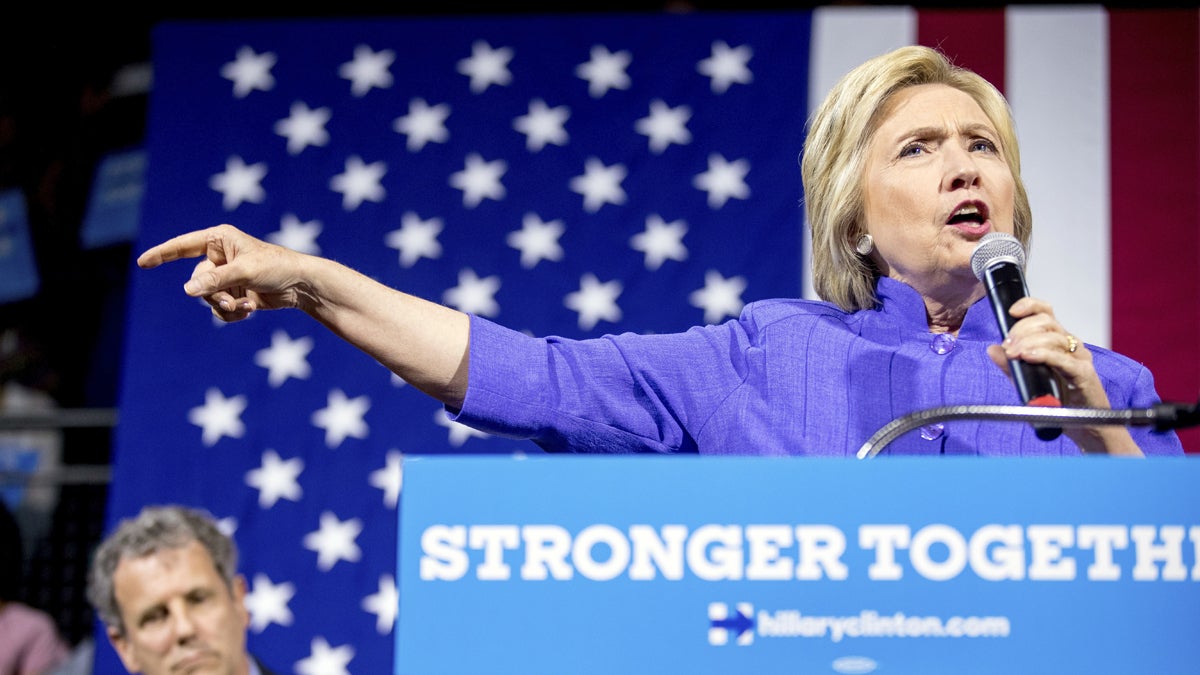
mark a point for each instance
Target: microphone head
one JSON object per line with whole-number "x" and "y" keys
{"x": 994, "y": 248}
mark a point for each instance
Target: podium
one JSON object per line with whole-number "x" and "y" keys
{"x": 652, "y": 564}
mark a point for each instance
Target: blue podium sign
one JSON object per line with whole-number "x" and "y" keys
{"x": 763, "y": 565}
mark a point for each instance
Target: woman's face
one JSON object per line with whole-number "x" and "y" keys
{"x": 935, "y": 183}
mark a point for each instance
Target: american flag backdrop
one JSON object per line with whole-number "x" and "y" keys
{"x": 571, "y": 175}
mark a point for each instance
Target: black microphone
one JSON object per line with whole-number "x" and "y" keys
{"x": 999, "y": 262}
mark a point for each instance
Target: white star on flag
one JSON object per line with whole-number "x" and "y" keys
{"x": 727, "y": 66}
{"x": 723, "y": 180}
{"x": 342, "y": 417}
{"x": 595, "y": 301}
{"x": 459, "y": 433}
{"x": 720, "y": 297}
{"x": 250, "y": 71}
{"x": 473, "y": 295}
{"x": 389, "y": 478}
{"x": 479, "y": 180}
{"x": 276, "y": 478}
{"x": 267, "y": 603}
{"x": 297, "y": 235}
{"x": 486, "y": 66}
{"x": 304, "y": 127}
{"x": 415, "y": 239}
{"x": 239, "y": 183}
{"x": 334, "y": 540}
{"x": 368, "y": 70}
{"x": 326, "y": 660}
{"x": 543, "y": 124}
{"x": 285, "y": 358}
{"x": 605, "y": 70}
{"x": 423, "y": 124}
{"x": 537, "y": 240}
{"x": 660, "y": 241}
{"x": 227, "y": 526}
{"x": 665, "y": 125}
{"x": 384, "y": 604}
{"x": 359, "y": 182}
{"x": 219, "y": 416}
{"x": 600, "y": 184}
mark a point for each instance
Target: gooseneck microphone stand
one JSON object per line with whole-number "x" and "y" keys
{"x": 1162, "y": 417}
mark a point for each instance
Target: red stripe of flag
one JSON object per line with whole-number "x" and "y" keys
{"x": 1155, "y": 128}
{"x": 971, "y": 38}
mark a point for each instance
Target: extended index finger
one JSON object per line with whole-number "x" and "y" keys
{"x": 190, "y": 245}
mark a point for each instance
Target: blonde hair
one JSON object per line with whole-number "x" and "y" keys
{"x": 835, "y": 150}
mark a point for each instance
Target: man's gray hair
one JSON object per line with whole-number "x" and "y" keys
{"x": 154, "y": 529}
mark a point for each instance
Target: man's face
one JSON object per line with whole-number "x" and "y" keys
{"x": 179, "y": 615}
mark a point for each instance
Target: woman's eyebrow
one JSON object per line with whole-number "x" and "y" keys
{"x": 941, "y": 132}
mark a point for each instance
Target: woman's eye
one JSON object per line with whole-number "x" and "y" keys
{"x": 912, "y": 150}
{"x": 983, "y": 145}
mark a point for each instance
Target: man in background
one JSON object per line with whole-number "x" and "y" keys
{"x": 166, "y": 586}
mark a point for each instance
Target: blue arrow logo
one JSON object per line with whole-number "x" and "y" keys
{"x": 723, "y": 625}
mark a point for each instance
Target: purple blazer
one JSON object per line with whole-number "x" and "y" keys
{"x": 789, "y": 377}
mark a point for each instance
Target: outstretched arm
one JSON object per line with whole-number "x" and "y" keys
{"x": 423, "y": 342}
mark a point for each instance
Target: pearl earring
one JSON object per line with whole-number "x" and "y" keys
{"x": 865, "y": 245}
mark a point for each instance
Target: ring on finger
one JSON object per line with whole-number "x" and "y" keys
{"x": 1072, "y": 344}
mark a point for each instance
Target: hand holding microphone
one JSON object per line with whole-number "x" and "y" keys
{"x": 999, "y": 262}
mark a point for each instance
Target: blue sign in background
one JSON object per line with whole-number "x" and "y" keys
{"x": 18, "y": 269}
{"x": 583, "y": 625}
